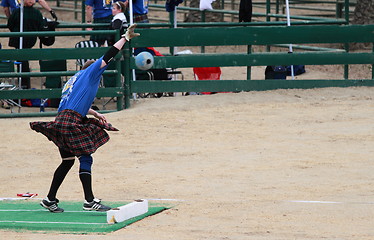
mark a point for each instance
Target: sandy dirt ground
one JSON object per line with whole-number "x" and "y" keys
{"x": 242, "y": 166}
{"x": 285, "y": 164}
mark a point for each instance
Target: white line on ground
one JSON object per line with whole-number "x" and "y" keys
{"x": 13, "y": 199}
{"x": 305, "y": 201}
{"x": 328, "y": 202}
{"x": 165, "y": 199}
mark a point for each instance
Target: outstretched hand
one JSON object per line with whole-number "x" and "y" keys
{"x": 101, "y": 117}
{"x": 129, "y": 34}
{"x": 97, "y": 115}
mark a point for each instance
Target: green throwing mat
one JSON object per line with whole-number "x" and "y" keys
{"x": 28, "y": 215}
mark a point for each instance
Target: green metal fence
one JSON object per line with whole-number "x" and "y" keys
{"x": 206, "y": 36}
{"x": 57, "y": 54}
{"x": 251, "y": 36}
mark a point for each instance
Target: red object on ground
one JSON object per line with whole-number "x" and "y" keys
{"x": 207, "y": 73}
{"x": 27, "y": 194}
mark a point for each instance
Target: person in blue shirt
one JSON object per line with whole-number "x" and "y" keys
{"x": 99, "y": 11}
{"x": 10, "y": 5}
{"x": 76, "y": 135}
{"x": 140, "y": 9}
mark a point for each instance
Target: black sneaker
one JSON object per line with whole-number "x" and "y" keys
{"x": 95, "y": 205}
{"x": 51, "y": 205}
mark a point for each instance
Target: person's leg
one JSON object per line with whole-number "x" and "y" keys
{"x": 90, "y": 203}
{"x": 60, "y": 173}
{"x": 85, "y": 176}
{"x": 50, "y": 202}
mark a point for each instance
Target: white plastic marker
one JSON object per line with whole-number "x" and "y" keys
{"x": 304, "y": 201}
{"x": 125, "y": 212}
{"x": 165, "y": 199}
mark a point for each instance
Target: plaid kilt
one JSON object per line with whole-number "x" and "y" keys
{"x": 143, "y": 18}
{"x": 74, "y": 133}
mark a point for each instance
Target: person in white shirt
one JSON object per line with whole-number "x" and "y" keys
{"x": 119, "y": 20}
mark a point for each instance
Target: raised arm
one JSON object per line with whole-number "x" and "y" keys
{"x": 112, "y": 52}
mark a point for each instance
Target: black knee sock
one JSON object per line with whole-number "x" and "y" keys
{"x": 59, "y": 177}
{"x": 86, "y": 179}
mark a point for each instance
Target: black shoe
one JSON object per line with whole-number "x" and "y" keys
{"x": 51, "y": 205}
{"x": 95, "y": 205}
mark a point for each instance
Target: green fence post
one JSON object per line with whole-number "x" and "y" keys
{"x": 249, "y": 68}
{"x": 203, "y": 20}
{"x": 346, "y": 45}
{"x": 277, "y": 10}
{"x": 346, "y": 67}
{"x": 372, "y": 65}
{"x": 75, "y": 8}
{"x": 118, "y": 75}
{"x": 119, "y": 84}
{"x": 127, "y": 74}
{"x": 267, "y": 19}
{"x": 267, "y": 10}
{"x": 83, "y": 13}
{"x": 172, "y": 22}
{"x": 346, "y": 11}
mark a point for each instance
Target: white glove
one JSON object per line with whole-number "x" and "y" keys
{"x": 129, "y": 34}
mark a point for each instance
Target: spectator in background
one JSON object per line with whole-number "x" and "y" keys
{"x": 119, "y": 20}
{"x": 99, "y": 11}
{"x": 33, "y": 21}
{"x": 11, "y": 5}
{"x": 140, "y": 10}
{"x": 245, "y": 11}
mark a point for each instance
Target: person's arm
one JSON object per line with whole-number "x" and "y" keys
{"x": 89, "y": 10}
{"x": 112, "y": 52}
{"x": 7, "y": 12}
{"x": 45, "y": 5}
{"x": 97, "y": 115}
{"x": 89, "y": 17}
